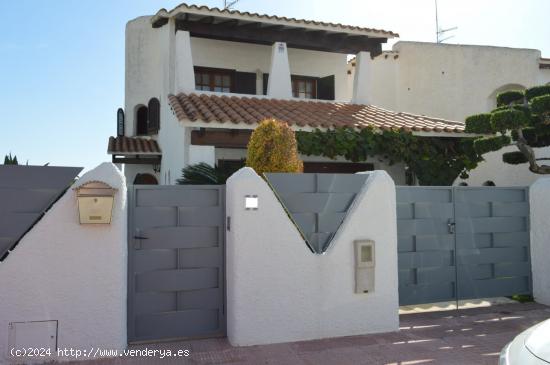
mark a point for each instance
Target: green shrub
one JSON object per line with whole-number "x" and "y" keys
{"x": 484, "y": 145}
{"x": 479, "y": 123}
{"x": 541, "y": 104}
{"x": 509, "y": 97}
{"x": 203, "y": 174}
{"x": 273, "y": 148}
{"x": 508, "y": 119}
{"x": 514, "y": 158}
{"x": 537, "y": 91}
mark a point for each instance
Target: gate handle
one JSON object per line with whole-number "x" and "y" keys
{"x": 451, "y": 226}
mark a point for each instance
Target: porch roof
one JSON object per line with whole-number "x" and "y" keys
{"x": 211, "y": 108}
{"x": 122, "y": 145}
{"x": 234, "y": 25}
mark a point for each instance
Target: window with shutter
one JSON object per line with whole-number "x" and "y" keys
{"x": 141, "y": 120}
{"x": 304, "y": 87}
{"x": 214, "y": 79}
{"x": 154, "y": 116}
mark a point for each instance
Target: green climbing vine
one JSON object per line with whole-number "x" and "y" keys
{"x": 434, "y": 161}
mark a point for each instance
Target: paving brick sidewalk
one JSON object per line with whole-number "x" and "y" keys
{"x": 473, "y": 336}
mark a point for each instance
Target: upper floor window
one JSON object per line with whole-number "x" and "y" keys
{"x": 212, "y": 79}
{"x": 148, "y": 118}
{"x": 304, "y": 87}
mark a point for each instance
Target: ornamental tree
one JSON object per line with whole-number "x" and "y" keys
{"x": 273, "y": 148}
{"x": 521, "y": 118}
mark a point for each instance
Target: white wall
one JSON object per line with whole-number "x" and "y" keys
{"x": 503, "y": 174}
{"x": 76, "y": 274}
{"x": 539, "y": 200}
{"x": 143, "y": 69}
{"x": 279, "y": 291}
{"x": 450, "y": 81}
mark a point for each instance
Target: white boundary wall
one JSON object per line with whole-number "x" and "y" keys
{"x": 279, "y": 291}
{"x": 75, "y": 274}
{"x": 539, "y": 200}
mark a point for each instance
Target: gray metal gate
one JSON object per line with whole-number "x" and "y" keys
{"x": 176, "y": 285}
{"x": 462, "y": 243}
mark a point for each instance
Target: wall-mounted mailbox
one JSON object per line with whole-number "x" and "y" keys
{"x": 364, "y": 266}
{"x": 95, "y": 202}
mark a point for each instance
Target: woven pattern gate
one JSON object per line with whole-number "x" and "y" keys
{"x": 462, "y": 243}
{"x": 176, "y": 284}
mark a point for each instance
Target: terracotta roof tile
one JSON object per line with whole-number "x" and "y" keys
{"x": 316, "y": 114}
{"x": 123, "y": 145}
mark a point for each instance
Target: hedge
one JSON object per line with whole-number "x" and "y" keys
{"x": 484, "y": 145}
{"x": 537, "y": 91}
{"x": 508, "y": 119}
{"x": 514, "y": 158}
{"x": 479, "y": 123}
{"x": 508, "y": 97}
{"x": 541, "y": 104}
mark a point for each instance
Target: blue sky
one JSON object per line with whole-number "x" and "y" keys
{"x": 62, "y": 61}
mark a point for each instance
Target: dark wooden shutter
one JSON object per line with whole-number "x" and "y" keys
{"x": 141, "y": 122}
{"x": 325, "y": 88}
{"x": 266, "y": 79}
{"x": 244, "y": 83}
{"x": 154, "y": 116}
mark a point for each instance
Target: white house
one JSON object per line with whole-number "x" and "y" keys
{"x": 455, "y": 81}
{"x": 198, "y": 80}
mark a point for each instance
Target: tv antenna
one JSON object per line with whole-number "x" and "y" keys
{"x": 228, "y": 5}
{"x": 440, "y": 32}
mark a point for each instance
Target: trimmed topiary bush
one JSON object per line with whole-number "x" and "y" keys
{"x": 485, "y": 145}
{"x": 541, "y": 104}
{"x": 509, "y": 97}
{"x": 479, "y": 123}
{"x": 273, "y": 148}
{"x": 537, "y": 91}
{"x": 527, "y": 122}
{"x": 508, "y": 119}
{"x": 514, "y": 158}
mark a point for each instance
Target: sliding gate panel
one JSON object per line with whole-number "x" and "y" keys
{"x": 492, "y": 240}
{"x": 462, "y": 243}
{"x": 176, "y": 262}
{"x": 426, "y": 249}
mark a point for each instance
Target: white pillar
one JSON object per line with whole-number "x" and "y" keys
{"x": 539, "y": 202}
{"x": 279, "y": 85}
{"x": 167, "y": 39}
{"x": 362, "y": 82}
{"x": 184, "y": 72}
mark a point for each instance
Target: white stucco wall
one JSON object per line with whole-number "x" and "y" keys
{"x": 539, "y": 200}
{"x": 451, "y": 81}
{"x": 72, "y": 273}
{"x": 279, "y": 291}
{"x": 503, "y": 174}
{"x": 143, "y": 69}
